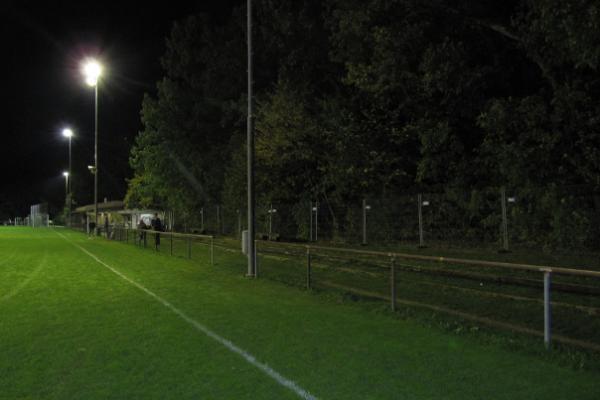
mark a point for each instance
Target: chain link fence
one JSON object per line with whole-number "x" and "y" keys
{"x": 566, "y": 218}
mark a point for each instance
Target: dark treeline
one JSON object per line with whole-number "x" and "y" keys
{"x": 377, "y": 98}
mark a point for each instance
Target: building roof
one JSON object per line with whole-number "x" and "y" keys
{"x": 114, "y": 205}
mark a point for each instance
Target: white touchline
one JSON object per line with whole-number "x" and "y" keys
{"x": 228, "y": 344}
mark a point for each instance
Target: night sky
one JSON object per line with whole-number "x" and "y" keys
{"x": 43, "y": 90}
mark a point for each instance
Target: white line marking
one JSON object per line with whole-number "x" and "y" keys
{"x": 283, "y": 381}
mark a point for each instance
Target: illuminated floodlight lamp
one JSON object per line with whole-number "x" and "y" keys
{"x": 91, "y": 71}
{"x": 68, "y": 133}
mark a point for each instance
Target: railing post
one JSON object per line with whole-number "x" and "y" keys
{"x": 308, "y": 268}
{"x": 393, "y": 283}
{"x": 547, "y": 308}
{"x": 504, "y": 219}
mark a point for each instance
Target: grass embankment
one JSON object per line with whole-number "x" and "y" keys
{"x": 71, "y": 328}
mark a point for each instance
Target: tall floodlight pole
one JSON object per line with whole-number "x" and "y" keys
{"x": 68, "y": 133}
{"x": 66, "y": 175}
{"x": 250, "y": 145}
{"x": 92, "y": 71}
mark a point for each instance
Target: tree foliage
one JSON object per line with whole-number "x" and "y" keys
{"x": 373, "y": 98}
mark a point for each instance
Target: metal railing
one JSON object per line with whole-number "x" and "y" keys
{"x": 182, "y": 244}
{"x": 176, "y": 243}
{"x": 547, "y": 273}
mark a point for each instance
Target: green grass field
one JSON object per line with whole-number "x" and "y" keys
{"x": 85, "y": 318}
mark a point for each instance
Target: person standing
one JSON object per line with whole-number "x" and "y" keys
{"x": 142, "y": 232}
{"x": 157, "y": 227}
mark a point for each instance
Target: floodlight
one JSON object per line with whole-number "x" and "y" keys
{"x": 91, "y": 71}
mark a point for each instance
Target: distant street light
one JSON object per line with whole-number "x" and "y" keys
{"x": 68, "y": 133}
{"x": 92, "y": 71}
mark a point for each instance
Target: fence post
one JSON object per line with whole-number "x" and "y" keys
{"x": 202, "y": 219}
{"x": 420, "y": 208}
{"x": 547, "y": 308}
{"x": 189, "y": 247}
{"x": 364, "y": 222}
{"x": 219, "y": 231}
{"x": 127, "y": 235}
{"x": 393, "y": 283}
{"x": 504, "y": 220}
{"x": 270, "y": 221}
{"x": 310, "y": 236}
{"x": 316, "y": 221}
{"x": 308, "y": 268}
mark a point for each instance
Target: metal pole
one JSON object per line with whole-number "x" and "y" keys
{"x": 547, "y": 308}
{"x": 420, "y": 208}
{"x": 364, "y": 222}
{"x": 393, "y": 284}
{"x": 70, "y": 183}
{"x": 504, "y": 220}
{"x": 250, "y": 145}
{"x": 96, "y": 159}
{"x": 308, "y": 267}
